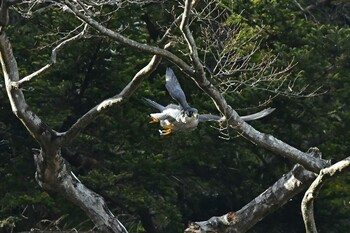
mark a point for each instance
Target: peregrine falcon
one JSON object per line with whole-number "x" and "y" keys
{"x": 183, "y": 117}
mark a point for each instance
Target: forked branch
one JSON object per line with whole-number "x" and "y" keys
{"x": 198, "y": 74}
{"x": 91, "y": 115}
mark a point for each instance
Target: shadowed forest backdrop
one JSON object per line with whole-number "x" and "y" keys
{"x": 159, "y": 184}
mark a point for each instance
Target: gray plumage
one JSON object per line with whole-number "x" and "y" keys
{"x": 172, "y": 117}
{"x": 183, "y": 117}
{"x": 176, "y": 92}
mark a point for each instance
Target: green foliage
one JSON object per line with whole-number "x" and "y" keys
{"x": 168, "y": 181}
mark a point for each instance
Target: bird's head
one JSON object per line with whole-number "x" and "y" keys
{"x": 190, "y": 113}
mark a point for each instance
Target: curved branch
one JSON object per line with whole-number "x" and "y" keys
{"x": 39, "y": 130}
{"x": 264, "y": 140}
{"x": 91, "y": 115}
{"x": 52, "y": 59}
{"x": 128, "y": 90}
{"x": 307, "y": 205}
{"x": 267, "y": 202}
{"x": 130, "y": 43}
{"x": 186, "y": 32}
{"x": 53, "y": 175}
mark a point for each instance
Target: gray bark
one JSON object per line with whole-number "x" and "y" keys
{"x": 53, "y": 173}
{"x": 267, "y": 202}
{"x": 307, "y": 204}
{"x": 197, "y": 73}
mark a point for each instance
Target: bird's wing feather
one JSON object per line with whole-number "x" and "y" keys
{"x": 174, "y": 88}
{"x": 161, "y": 116}
{"x": 209, "y": 117}
{"x": 155, "y": 104}
{"x": 258, "y": 115}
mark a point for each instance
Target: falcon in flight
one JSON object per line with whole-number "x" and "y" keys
{"x": 183, "y": 117}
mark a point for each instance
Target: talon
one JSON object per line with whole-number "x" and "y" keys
{"x": 165, "y": 132}
{"x": 154, "y": 120}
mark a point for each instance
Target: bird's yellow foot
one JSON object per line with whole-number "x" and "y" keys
{"x": 165, "y": 132}
{"x": 154, "y": 120}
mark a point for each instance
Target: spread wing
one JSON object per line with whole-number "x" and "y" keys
{"x": 161, "y": 116}
{"x": 209, "y": 117}
{"x": 155, "y": 104}
{"x": 255, "y": 116}
{"x": 174, "y": 88}
{"x": 258, "y": 115}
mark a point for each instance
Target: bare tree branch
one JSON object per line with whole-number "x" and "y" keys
{"x": 185, "y": 29}
{"x": 55, "y": 176}
{"x": 131, "y": 43}
{"x": 91, "y": 115}
{"x": 267, "y": 202}
{"x": 52, "y": 173}
{"x": 54, "y": 52}
{"x": 307, "y": 205}
{"x": 87, "y": 118}
{"x": 18, "y": 104}
{"x": 233, "y": 119}
{"x": 264, "y": 140}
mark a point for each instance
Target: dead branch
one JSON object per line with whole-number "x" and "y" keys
{"x": 54, "y": 52}
{"x": 307, "y": 205}
{"x": 270, "y": 200}
{"x": 54, "y": 175}
{"x": 91, "y": 115}
{"x": 128, "y": 42}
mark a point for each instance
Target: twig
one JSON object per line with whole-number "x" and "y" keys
{"x": 184, "y": 27}
{"x": 54, "y": 52}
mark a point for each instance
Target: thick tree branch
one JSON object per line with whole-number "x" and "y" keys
{"x": 91, "y": 115}
{"x": 31, "y": 121}
{"x": 264, "y": 140}
{"x": 55, "y": 176}
{"x": 130, "y": 43}
{"x": 269, "y": 201}
{"x": 52, "y": 173}
{"x": 267, "y": 141}
{"x": 307, "y": 205}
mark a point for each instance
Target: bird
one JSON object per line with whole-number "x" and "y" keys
{"x": 182, "y": 117}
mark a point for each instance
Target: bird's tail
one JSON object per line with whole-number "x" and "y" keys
{"x": 258, "y": 115}
{"x": 155, "y": 104}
